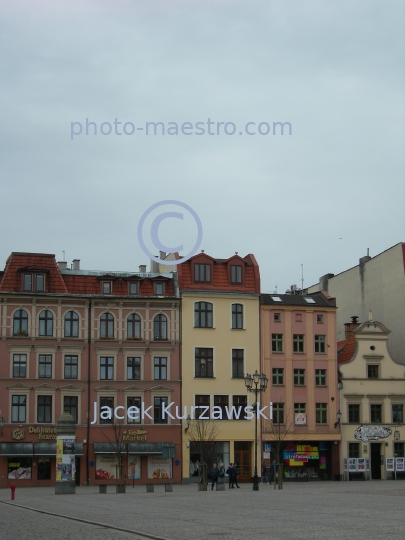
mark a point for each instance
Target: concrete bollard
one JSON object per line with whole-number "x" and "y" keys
{"x": 220, "y": 486}
{"x": 150, "y": 488}
{"x": 168, "y": 488}
{"x": 102, "y": 488}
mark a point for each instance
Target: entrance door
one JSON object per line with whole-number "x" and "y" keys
{"x": 242, "y": 453}
{"x": 375, "y": 461}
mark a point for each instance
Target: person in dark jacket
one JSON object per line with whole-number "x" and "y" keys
{"x": 235, "y": 474}
{"x": 272, "y": 471}
{"x": 229, "y": 472}
{"x": 214, "y": 473}
{"x": 264, "y": 474}
{"x": 221, "y": 472}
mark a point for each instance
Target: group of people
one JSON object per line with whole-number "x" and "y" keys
{"x": 266, "y": 478}
{"x": 219, "y": 473}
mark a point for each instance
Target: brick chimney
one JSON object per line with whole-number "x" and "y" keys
{"x": 350, "y": 327}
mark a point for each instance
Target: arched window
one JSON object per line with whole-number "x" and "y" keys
{"x": 160, "y": 327}
{"x": 203, "y": 315}
{"x": 71, "y": 324}
{"x": 106, "y": 325}
{"x": 134, "y": 326}
{"x": 20, "y": 323}
{"x": 46, "y": 323}
{"x": 237, "y": 316}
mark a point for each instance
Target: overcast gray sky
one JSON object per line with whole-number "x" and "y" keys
{"x": 320, "y": 197}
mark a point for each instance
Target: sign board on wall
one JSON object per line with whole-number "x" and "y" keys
{"x": 300, "y": 419}
{"x": 159, "y": 468}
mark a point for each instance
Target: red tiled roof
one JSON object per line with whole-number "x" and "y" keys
{"x": 345, "y": 350}
{"x": 11, "y": 281}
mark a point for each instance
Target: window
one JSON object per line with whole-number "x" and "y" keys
{"x": 158, "y": 289}
{"x": 160, "y": 368}
{"x": 221, "y": 402}
{"x": 20, "y": 365}
{"x": 278, "y": 413}
{"x": 319, "y": 319}
{"x": 298, "y": 317}
{"x": 71, "y": 367}
{"x": 160, "y": 327}
{"x": 236, "y": 274}
{"x": 299, "y": 377}
{"x": 106, "y": 326}
{"x": 309, "y": 300}
{"x": 354, "y": 450}
{"x": 354, "y": 413}
{"x": 133, "y": 368}
{"x": 277, "y": 343}
{"x": 134, "y": 326}
{"x": 397, "y": 414}
{"x": 202, "y": 401}
{"x": 277, "y": 317}
{"x": 20, "y": 323}
{"x": 45, "y": 366}
{"x": 133, "y": 288}
{"x": 203, "y": 362}
{"x": 237, "y": 316}
{"x": 372, "y": 371}
{"x": 320, "y": 377}
{"x": 237, "y": 364}
{"x": 134, "y": 416}
{"x": 399, "y": 449}
{"x": 321, "y": 413}
{"x": 276, "y": 298}
{"x": 71, "y": 324}
{"x": 376, "y": 414}
{"x": 106, "y": 402}
{"x": 106, "y": 287}
{"x": 106, "y": 368}
{"x": 300, "y": 408}
{"x": 18, "y": 409}
{"x": 34, "y": 282}
{"x": 70, "y": 406}
{"x": 202, "y": 273}
{"x": 278, "y": 376}
{"x": 319, "y": 344}
{"x": 44, "y": 409}
{"x": 239, "y": 402}
{"x": 44, "y": 468}
{"x": 45, "y": 323}
{"x": 158, "y": 402}
{"x": 298, "y": 343}
{"x": 203, "y": 315}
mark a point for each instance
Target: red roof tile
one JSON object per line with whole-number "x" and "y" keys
{"x": 346, "y": 350}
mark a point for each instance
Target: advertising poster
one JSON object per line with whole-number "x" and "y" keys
{"x": 59, "y": 456}
{"x": 367, "y": 464}
{"x": 361, "y": 464}
{"x": 300, "y": 419}
{"x": 134, "y": 467}
{"x": 352, "y": 464}
{"x": 107, "y": 467}
{"x": 390, "y": 464}
{"x": 159, "y": 468}
{"x": 345, "y": 464}
{"x": 400, "y": 463}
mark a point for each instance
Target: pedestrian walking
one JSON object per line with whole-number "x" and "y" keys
{"x": 235, "y": 475}
{"x": 272, "y": 471}
{"x": 221, "y": 472}
{"x": 264, "y": 474}
{"x": 214, "y": 473}
{"x": 229, "y": 472}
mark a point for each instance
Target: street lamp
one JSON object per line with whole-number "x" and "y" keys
{"x": 260, "y": 385}
{"x": 188, "y": 420}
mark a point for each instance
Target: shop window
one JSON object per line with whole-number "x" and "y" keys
{"x": 71, "y": 367}
{"x": 203, "y": 315}
{"x": 19, "y": 366}
{"x": 134, "y": 368}
{"x": 320, "y": 344}
{"x": 70, "y": 405}
{"x": 375, "y": 414}
{"x": 45, "y": 366}
{"x": 46, "y": 323}
{"x": 299, "y": 377}
{"x": 397, "y": 413}
{"x": 202, "y": 401}
{"x": 160, "y": 327}
{"x": 134, "y": 326}
{"x": 71, "y": 324}
{"x": 277, "y": 343}
{"x": 320, "y": 377}
{"x": 134, "y": 415}
{"x": 237, "y": 363}
{"x": 278, "y": 376}
{"x": 354, "y": 450}
{"x": 237, "y": 317}
{"x": 19, "y": 468}
{"x": 239, "y": 403}
{"x": 20, "y": 323}
{"x": 160, "y": 369}
{"x": 321, "y": 413}
{"x": 44, "y": 469}
{"x": 18, "y": 409}
{"x": 203, "y": 362}
{"x": 222, "y": 402}
{"x": 354, "y": 413}
{"x": 158, "y": 402}
{"x": 298, "y": 343}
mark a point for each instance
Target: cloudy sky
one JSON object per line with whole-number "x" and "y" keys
{"x": 319, "y": 196}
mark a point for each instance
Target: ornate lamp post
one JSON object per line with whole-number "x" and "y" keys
{"x": 260, "y": 385}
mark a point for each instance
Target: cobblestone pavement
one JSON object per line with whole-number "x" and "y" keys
{"x": 321, "y": 510}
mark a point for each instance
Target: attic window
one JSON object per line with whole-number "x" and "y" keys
{"x": 133, "y": 287}
{"x": 159, "y": 288}
{"x": 106, "y": 287}
{"x": 309, "y": 300}
{"x": 236, "y": 274}
{"x": 276, "y": 298}
{"x": 202, "y": 273}
{"x": 34, "y": 282}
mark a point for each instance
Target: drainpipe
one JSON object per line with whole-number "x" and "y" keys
{"x": 88, "y": 392}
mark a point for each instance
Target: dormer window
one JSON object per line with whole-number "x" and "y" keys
{"x": 106, "y": 287}
{"x": 202, "y": 273}
{"x": 236, "y": 274}
{"x": 133, "y": 288}
{"x": 159, "y": 289}
{"x": 34, "y": 282}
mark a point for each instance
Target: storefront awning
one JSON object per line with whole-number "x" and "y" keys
{"x": 8, "y": 449}
{"x": 109, "y": 448}
{"x": 45, "y": 448}
{"x": 148, "y": 448}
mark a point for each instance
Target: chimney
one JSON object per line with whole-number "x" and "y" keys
{"x": 62, "y": 265}
{"x": 142, "y": 268}
{"x": 162, "y": 255}
{"x": 351, "y": 327}
{"x": 324, "y": 282}
{"x": 76, "y": 264}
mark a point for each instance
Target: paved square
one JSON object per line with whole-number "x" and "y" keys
{"x": 318, "y": 510}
